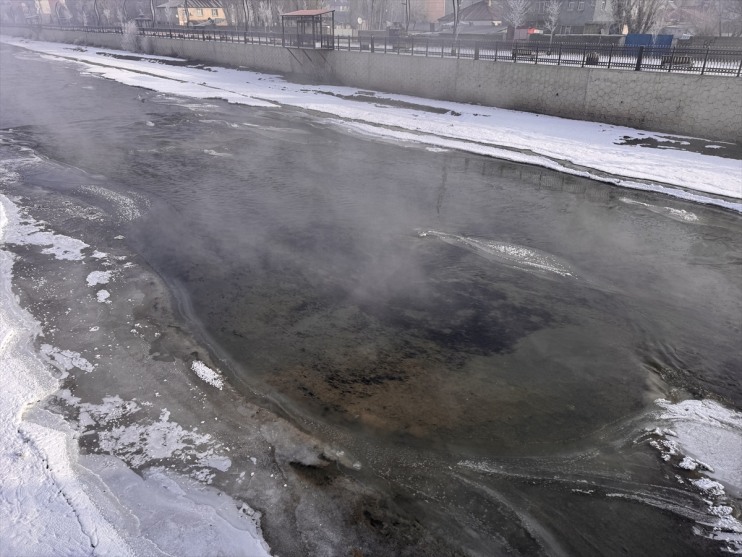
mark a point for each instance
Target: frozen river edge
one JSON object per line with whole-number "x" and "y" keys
{"x": 121, "y": 434}
{"x": 84, "y": 504}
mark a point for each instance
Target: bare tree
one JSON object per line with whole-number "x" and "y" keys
{"x": 456, "y": 16}
{"x": 640, "y": 16}
{"x": 515, "y": 12}
{"x": 727, "y": 18}
{"x": 551, "y": 21}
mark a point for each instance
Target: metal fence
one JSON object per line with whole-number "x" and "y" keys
{"x": 701, "y": 61}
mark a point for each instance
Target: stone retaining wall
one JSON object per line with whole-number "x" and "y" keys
{"x": 703, "y": 106}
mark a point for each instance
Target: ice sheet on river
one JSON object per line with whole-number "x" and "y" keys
{"x": 699, "y": 448}
{"x": 512, "y": 255}
{"x": 52, "y": 500}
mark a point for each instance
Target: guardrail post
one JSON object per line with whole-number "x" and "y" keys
{"x": 412, "y": 46}
{"x": 739, "y": 70}
{"x": 496, "y": 51}
{"x": 535, "y": 60}
{"x": 476, "y": 50}
{"x": 373, "y": 47}
{"x": 705, "y": 59}
{"x": 559, "y": 58}
{"x": 584, "y": 54}
{"x": 639, "y": 57}
{"x": 610, "y": 56}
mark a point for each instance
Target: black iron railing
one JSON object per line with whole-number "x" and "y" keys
{"x": 694, "y": 60}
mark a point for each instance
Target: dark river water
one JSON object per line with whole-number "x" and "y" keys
{"x": 422, "y": 308}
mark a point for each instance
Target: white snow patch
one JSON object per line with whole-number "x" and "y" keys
{"x": 44, "y": 509}
{"x": 98, "y": 277}
{"x": 65, "y": 360}
{"x": 688, "y": 464}
{"x": 126, "y": 208}
{"x": 182, "y": 517}
{"x": 138, "y": 440}
{"x": 216, "y": 153}
{"x": 24, "y": 230}
{"x": 102, "y": 296}
{"x": 708, "y": 436}
{"x": 205, "y": 373}
{"x": 709, "y": 487}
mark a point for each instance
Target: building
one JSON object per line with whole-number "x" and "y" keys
{"x": 199, "y": 12}
{"x": 429, "y": 11}
{"x": 485, "y": 17}
{"x": 24, "y": 11}
{"x": 578, "y": 17}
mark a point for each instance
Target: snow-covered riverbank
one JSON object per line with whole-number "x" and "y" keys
{"x": 55, "y": 502}
{"x": 608, "y": 153}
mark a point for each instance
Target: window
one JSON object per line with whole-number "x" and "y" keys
{"x": 580, "y": 6}
{"x": 542, "y": 7}
{"x": 571, "y": 6}
{"x": 214, "y": 12}
{"x": 199, "y": 11}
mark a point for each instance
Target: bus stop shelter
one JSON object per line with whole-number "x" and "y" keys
{"x": 313, "y": 29}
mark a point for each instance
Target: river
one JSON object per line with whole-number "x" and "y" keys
{"x": 486, "y": 340}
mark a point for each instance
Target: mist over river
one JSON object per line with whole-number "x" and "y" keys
{"x": 485, "y": 341}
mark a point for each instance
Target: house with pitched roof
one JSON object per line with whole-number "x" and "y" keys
{"x": 485, "y": 17}
{"x": 191, "y": 12}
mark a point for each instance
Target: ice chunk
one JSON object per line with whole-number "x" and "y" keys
{"x": 205, "y": 373}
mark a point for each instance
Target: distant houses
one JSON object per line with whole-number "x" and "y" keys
{"x": 578, "y": 17}
{"x": 191, "y": 13}
{"x": 490, "y": 17}
{"x": 486, "y": 17}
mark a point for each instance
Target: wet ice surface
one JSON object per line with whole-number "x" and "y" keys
{"x": 455, "y": 399}
{"x": 71, "y": 510}
{"x": 519, "y": 257}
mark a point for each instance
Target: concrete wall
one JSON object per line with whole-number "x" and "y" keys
{"x": 704, "y": 106}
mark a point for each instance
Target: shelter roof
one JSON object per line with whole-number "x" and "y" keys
{"x": 191, "y": 4}
{"x": 299, "y": 13}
